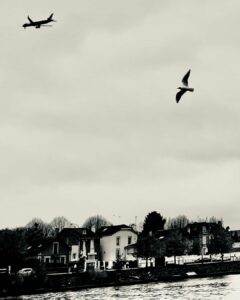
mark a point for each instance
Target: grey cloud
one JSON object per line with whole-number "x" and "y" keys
{"x": 88, "y": 112}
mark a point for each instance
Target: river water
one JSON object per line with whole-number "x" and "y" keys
{"x": 224, "y": 287}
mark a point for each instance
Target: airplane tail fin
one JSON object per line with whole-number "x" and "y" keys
{"x": 50, "y": 18}
{"x": 30, "y": 20}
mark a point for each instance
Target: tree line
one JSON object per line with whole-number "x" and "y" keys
{"x": 175, "y": 241}
{"x": 14, "y": 242}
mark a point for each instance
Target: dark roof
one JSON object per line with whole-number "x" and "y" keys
{"x": 73, "y": 235}
{"x": 110, "y": 230}
{"x": 197, "y": 227}
{"x": 134, "y": 246}
{"x": 167, "y": 232}
{"x": 38, "y": 247}
{"x": 200, "y": 224}
{"x": 235, "y": 232}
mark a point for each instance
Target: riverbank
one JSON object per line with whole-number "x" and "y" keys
{"x": 79, "y": 281}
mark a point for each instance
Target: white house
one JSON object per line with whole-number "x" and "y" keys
{"x": 113, "y": 242}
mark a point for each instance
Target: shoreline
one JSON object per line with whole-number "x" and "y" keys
{"x": 112, "y": 278}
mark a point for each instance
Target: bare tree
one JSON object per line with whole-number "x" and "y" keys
{"x": 97, "y": 222}
{"x": 61, "y": 222}
{"x": 178, "y": 222}
{"x": 34, "y": 221}
{"x": 215, "y": 220}
{"x": 39, "y": 224}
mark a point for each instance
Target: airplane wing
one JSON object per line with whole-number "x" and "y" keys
{"x": 31, "y": 21}
{"x": 185, "y": 78}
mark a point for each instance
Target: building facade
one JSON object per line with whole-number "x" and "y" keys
{"x": 50, "y": 251}
{"x": 83, "y": 244}
{"x": 113, "y": 243}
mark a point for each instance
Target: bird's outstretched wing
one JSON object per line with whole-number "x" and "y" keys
{"x": 185, "y": 78}
{"x": 179, "y": 95}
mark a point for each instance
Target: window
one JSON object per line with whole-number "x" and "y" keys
{"x": 117, "y": 253}
{"x": 118, "y": 240}
{"x": 129, "y": 240}
{"x": 62, "y": 259}
{"x": 204, "y": 240}
{"x": 47, "y": 260}
{"x": 55, "y": 248}
{"x": 204, "y": 229}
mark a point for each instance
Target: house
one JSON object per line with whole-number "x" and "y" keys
{"x": 83, "y": 244}
{"x": 51, "y": 250}
{"x": 235, "y": 237}
{"x": 113, "y": 244}
{"x": 201, "y": 234}
{"x": 130, "y": 252}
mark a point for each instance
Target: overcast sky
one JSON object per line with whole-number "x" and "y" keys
{"x": 88, "y": 120}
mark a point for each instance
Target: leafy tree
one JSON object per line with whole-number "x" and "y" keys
{"x": 176, "y": 244}
{"x": 220, "y": 241}
{"x": 148, "y": 247}
{"x": 178, "y": 222}
{"x": 97, "y": 221}
{"x": 153, "y": 222}
{"x": 11, "y": 247}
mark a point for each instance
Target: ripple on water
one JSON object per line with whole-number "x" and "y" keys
{"x": 214, "y": 288}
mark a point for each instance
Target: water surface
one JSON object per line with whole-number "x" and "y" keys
{"x": 224, "y": 287}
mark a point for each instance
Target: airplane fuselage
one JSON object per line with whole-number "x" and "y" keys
{"x": 38, "y": 24}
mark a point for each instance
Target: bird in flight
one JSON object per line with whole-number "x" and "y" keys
{"x": 184, "y": 88}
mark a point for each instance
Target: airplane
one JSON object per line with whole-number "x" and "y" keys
{"x": 38, "y": 24}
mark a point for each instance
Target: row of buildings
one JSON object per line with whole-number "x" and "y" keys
{"x": 91, "y": 250}
{"x": 87, "y": 248}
